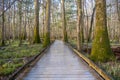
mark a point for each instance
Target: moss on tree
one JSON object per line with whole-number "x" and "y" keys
{"x": 65, "y": 39}
{"x": 36, "y": 36}
{"x": 36, "y": 27}
{"x": 2, "y": 43}
{"x": 47, "y": 25}
{"x": 46, "y": 40}
{"x": 101, "y": 50}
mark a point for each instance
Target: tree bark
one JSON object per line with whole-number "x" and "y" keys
{"x": 101, "y": 51}
{"x": 91, "y": 25}
{"x": 65, "y": 39}
{"x": 3, "y": 27}
{"x": 20, "y": 21}
{"x": 118, "y": 13}
{"x": 36, "y": 27}
{"x": 47, "y": 25}
{"x": 79, "y": 18}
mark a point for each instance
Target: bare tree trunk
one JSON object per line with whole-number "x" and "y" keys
{"x": 20, "y": 21}
{"x": 79, "y": 13}
{"x": 65, "y": 39}
{"x": 82, "y": 22}
{"x": 44, "y": 13}
{"x": 14, "y": 24}
{"x": 118, "y": 9}
{"x": 25, "y": 24}
{"x": 36, "y": 27}
{"x": 91, "y": 25}
{"x": 9, "y": 26}
{"x": 47, "y": 25}
{"x": 118, "y": 12}
{"x": 3, "y": 28}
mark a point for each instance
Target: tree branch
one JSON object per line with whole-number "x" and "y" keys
{"x": 8, "y": 7}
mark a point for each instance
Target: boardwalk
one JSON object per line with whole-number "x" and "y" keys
{"x": 61, "y": 63}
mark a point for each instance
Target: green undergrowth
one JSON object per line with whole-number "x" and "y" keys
{"x": 73, "y": 43}
{"x": 112, "y": 68}
{"x": 14, "y": 56}
{"x": 8, "y": 68}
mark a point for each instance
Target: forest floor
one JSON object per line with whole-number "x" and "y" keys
{"x": 14, "y": 56}
{"x": 112, "y": 68}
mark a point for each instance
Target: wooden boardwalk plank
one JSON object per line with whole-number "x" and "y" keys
{"x": 61, "y": 63}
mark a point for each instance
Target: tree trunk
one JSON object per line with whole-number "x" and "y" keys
{"x": 91, "y": 25}
{"x": 65, "y": 39}
{"x": 25, "y": 24}
{"x": 118, "y": 13}
{"x": 82, "y": 22}
{"x": 20, "y": 21}
{"x": 14, "y": 35}
{"x": 101, "y": 50}
{"x": 44, "y": 14}
{"x": 118, "y": 9}
{"x": 3, "y": 27}
{"x": 36, "y": 27}
{"x": 79, "y": 18}
{"x": 47, "y": 25}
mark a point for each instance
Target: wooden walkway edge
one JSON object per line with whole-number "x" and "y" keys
{"x": 103, "y": 74}
{"x": 30, "y": 63}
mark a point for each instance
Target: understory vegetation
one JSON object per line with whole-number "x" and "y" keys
{"x": 112, "y": 69}
{"x": 14, "y": 56}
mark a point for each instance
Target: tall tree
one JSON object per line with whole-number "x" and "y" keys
{"x": 47, "y": 25}
{"x": 3, "y": 23}
{"x": 65, "y": 39}
{"x": 25, "y": 20}
{"x": 82, "y": 21}
{"x": 14, "y": 24}
{"x": 36, "y": 26}
{"x": 43, "y": 20}
{"x": 91, "y": 25}
{"x": 79, "y": 13}
{"x": 101, "y": 50}
{"x": 20, "y": 20}
{"x": 118, "y": 13}
{"x": 118, "y": 9}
